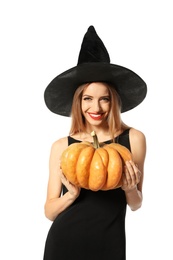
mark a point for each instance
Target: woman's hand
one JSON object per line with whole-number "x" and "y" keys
{"x": 131, "y": 176}
{"x": 73, "y": 190}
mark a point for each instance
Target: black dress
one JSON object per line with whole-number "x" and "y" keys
{"x": 93, "y": 227}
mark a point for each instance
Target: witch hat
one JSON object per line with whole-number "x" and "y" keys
{"x": 94, "y": 66}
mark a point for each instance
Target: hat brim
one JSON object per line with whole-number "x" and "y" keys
{"x": 59, "y": 93}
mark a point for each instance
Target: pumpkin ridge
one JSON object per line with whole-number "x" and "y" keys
{"x": 70, "y": 155}
{"x": 104, "y": 157}
{"x": 83, "y": 166}
{"x": 97, "y": 174}
{"x": 123, "y": 151}
{"x": 114, "y": 168}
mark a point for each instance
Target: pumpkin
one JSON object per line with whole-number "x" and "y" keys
{"x": 94, "y": 166}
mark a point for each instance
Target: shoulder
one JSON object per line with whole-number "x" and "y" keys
{"x": 136, "y": 135}
{"x": 137, "y": 142}
{"x": 59, "y": 145}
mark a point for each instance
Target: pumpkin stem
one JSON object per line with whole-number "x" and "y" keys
{"x": 95, "y": 139}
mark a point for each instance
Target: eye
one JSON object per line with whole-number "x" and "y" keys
{"x": 106, "y": 99}
{"x": 86, "y": 98}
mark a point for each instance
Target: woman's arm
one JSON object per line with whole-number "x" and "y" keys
{"x": 134, "y": 170}
{"x": 55, "y": 203}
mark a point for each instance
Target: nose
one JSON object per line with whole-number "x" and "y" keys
{"x": 96, "y": 106}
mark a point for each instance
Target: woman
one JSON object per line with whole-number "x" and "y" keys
{"x": 87, "y": 224}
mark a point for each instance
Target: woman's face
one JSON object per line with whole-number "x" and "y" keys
{"x": 96, "y": 103}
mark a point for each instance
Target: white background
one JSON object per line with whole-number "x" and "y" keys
{"x": 41, "y": 39}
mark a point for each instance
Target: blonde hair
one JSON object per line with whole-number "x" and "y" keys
{"x": 115, "y": 123}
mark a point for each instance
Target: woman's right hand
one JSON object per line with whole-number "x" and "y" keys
{"x": 73, "y": 190}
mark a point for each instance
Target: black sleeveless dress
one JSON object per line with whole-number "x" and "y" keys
{"x": 93, "y": 227}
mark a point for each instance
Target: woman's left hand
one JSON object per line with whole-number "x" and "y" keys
{"x": 131, "y": 176}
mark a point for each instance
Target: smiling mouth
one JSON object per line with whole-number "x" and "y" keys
{"x": 95, "y": 116}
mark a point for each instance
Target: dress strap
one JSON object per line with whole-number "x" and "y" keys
{"x": 71, "y": 140}
{"x": 123, "y": 139}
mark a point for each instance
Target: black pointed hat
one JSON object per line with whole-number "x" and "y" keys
{"x": 94, "y": 66}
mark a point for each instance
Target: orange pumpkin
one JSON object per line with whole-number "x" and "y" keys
{"x": 94, "y": 166}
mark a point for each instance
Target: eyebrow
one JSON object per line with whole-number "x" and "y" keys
{"x": 92, "y": 96}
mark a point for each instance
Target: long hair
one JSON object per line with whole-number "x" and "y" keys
{"x": 115, "y": 123}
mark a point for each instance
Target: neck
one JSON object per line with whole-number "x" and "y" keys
{"x": 102, "y": 134}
